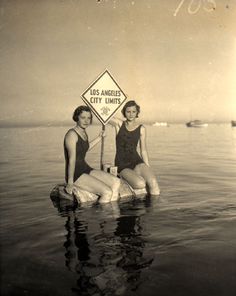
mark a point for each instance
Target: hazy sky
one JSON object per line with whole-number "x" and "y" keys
{"x": 177, "y": 64}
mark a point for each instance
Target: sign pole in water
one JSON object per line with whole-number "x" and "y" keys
{"x": 104, "y": 97}
{"x": 102, "y": 149}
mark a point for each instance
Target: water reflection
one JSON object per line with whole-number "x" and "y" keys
{"x": 132, "y": 260}
{"x": 106, "y": 251}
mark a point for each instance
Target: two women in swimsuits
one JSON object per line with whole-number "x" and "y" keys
{"x": 134, "y": 168}
{"x": 77, "y": 171}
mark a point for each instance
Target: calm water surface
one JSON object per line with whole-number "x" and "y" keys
{"x": 182, "y": 243}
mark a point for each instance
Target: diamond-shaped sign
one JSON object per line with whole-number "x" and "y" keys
{"x": 104, "y": 97}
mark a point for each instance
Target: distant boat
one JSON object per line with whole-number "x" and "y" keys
{"x": 196, "y": 123}
{"x": 160, "y": 124}
{"x": 233, "y": 123}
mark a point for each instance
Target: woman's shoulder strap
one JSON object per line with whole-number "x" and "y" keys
{"x": 122, "y": 124}
{"x": 71, "y": 131}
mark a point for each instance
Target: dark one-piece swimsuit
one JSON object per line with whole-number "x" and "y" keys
{"x": 126, "y": 148}
{"x": 81, "y": 166}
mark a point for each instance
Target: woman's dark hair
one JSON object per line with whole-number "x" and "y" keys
{"x": 79, "y": 110}
{"x": 131, "y": 104}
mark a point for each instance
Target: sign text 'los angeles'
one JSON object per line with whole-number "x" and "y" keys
{"x": 104, "y": 97}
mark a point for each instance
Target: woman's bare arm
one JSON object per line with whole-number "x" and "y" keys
{"x": 116, "y": 122}
{"x": 96, "y": 140}
{"x": 70, "y": 143}
{"x": 143, "y": 146}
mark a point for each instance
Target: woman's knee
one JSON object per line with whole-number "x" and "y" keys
{"x": 138, "y": 183}
{"x": 105, "y": 194}
{"x": 105, "y": 190}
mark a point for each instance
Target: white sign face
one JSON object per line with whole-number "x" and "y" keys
{"x": 104, "y": 97}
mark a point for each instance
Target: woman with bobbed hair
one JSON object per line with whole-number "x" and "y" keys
{"x": 77, "y": 171}
{"x": 134, "y": 168}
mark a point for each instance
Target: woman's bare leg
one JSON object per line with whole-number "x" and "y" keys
{"x": 110, "y": 180}
{"x": 145, "y": 171}
{"x": 135, "y": 181}
{"x": 92, "y": 184}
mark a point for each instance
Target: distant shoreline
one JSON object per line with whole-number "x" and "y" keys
{"x": 22, "y": 125}
{"x": 65, "y": 124}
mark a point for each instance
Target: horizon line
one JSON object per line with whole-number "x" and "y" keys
{"x": 69, "y": 123}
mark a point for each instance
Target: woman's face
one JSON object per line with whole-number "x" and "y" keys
{"x": 84, "y": 119}
{"x": 131, "y": 113}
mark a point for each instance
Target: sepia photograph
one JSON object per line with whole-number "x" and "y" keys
{"x": 118, "y": 147}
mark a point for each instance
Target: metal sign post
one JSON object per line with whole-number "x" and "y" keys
{"x": 104, "y": 97}
{"x": 102, "y": 149}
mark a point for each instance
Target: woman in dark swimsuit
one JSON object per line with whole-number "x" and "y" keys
{"x": 77, "y": 171}
{"x": 134, "y": 168}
